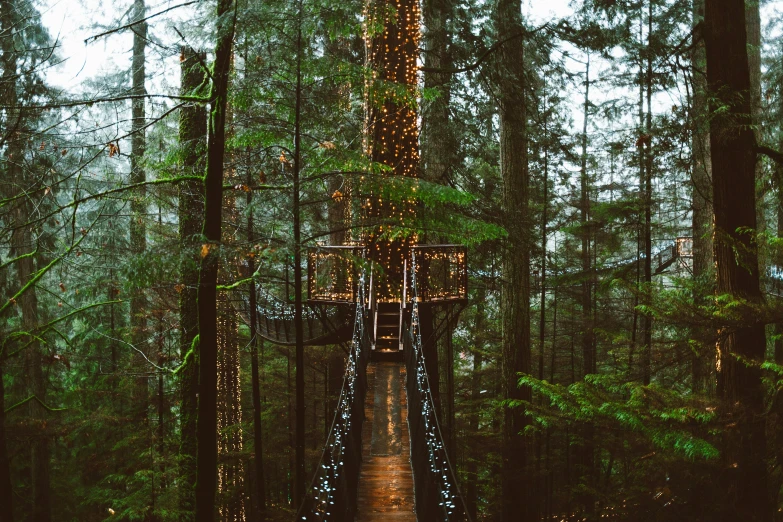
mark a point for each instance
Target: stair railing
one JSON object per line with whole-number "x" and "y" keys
{"x": 332, "y": 492}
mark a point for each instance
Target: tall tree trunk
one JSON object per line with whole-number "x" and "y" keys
{"x": 516, "y": 356}
{"x": 138, "y": 229}
{"x": 231, "y": 505}
{"x": 776, "y": 417}
{"x": 703, "y": 271}
{"x": 586, "y": 456}
{"x": 391, "y": 135}
{"x": 437, "y": 155}
{"x": 299, "y": 485}
{"x": 753, "y": 30}
{"x": 779, "y": 260}
{"x": 588, "y": 337}
{"x": 6, "y": 487}
{"x": 291, "y": 428}
{"x": 451, "y": 444}
{"x": 33, "y": 367}
{"x": 193, "y": 144}
{"x": 740, "y": 349}
{"x": 552, "y": 360}
{"x": 22, "y": 242}
{"x": 260, "y": 492}
{"x": 8, "y": 60}
{"x": 647, "y": 144}
{"x": 541, "y": 486}
{"x": 207, "y": 289}
{"x": 475, "y": 453}
{"x": 437, "y": 143}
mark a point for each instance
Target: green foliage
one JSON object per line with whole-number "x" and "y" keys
{"x": 660, "y": 416}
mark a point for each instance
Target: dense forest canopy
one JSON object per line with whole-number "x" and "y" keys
{"x": 207, "y": 208}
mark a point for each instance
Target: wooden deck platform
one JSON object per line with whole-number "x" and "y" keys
{"x": 385, "y": 480}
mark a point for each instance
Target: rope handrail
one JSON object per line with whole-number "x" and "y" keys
{"x": 322, "y": 324}
{"x": 332, "y": 492}
{"x": 447, "y": 504}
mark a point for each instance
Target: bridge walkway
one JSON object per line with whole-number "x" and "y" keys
{"x": 385, "y": 479}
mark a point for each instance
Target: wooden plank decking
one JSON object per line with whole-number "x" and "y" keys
{"x": 385, "y": 480}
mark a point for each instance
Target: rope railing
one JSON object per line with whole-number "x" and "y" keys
{"x": 332, "y": 492}
{"x": 436, "y": 491}
{"x": 322, "y": 324}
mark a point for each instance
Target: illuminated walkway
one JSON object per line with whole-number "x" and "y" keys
{"x": 385, "y": 480}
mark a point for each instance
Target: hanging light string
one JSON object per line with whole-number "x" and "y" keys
{"x": 331, "y": 272}
{"x": 231, "y": 470}
{"x": 441, "y": 472}
{"x": 327, "y": 497}
{"x": 442, "y": 273}
{"x": 392, "y": 30}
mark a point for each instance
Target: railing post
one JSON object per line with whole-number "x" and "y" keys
{"x": 405, "y": 280}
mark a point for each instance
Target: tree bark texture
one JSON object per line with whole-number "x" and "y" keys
{"x": 587, "y": 451}
{"x": 779, "y": 260}
{"x": 437, "y": 142}
{"x": 138, "y": 206}
{"x": 260, "y": 486}
{"x": 206, "y": 482}
{"x": 703, "y": 269}
{"x": 9, "y": 84}
{"x": 647, "y": 205}
{"x": 193, "y": 144}
{"x": 753, "y": 30}
{"x": 299, "y": 485}
{"x": 740, "y": 348}
{"x": 6, "y": 486}
{"x": 515, "y": 301}
{"x": 475, "y": 453}
{"x": 22, "y": 242}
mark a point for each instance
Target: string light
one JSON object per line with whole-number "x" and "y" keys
{"x": 319, "y": 504}
{"x": 331, "y": 272}
{"x": 440, "y": 470}
{"x": 442, "y": 273}
{"x": 391, "y": 138}
{"x": 231, "y": 473}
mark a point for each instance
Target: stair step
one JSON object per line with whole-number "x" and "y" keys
{"x": 389, "y": 328}
{"x": 387, "y": 355}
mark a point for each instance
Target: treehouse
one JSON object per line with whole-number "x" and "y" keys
{"x": 333, "y": 280}
{"x": 333, "y": 287}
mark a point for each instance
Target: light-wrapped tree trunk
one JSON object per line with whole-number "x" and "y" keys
{"x": 231, "y": 507}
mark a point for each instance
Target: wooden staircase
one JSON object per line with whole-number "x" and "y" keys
{"x": 388, "y": 332}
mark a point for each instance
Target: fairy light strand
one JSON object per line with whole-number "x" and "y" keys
{"x": 229, "y": 408}
{"x": 449, "y": 498}
{"x": 319, "y": 506}
{"x": 391, "y": 140}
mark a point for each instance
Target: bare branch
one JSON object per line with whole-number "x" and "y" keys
{"x": 128, "y": 26}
